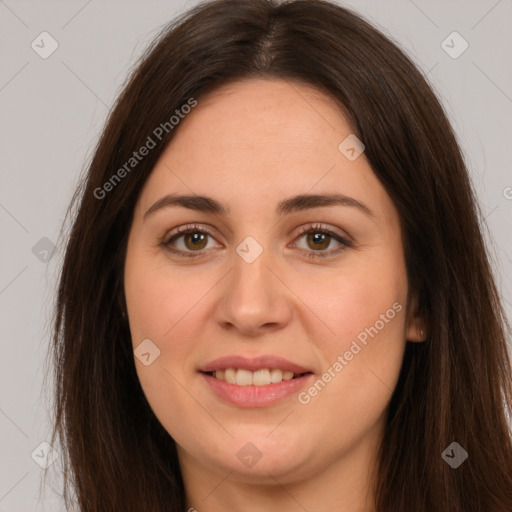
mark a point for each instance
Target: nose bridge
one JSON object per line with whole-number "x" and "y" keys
{"x": 253, "y": 296}
{"x": 251, "y": 276}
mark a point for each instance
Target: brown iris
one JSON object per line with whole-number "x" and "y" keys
{"x": 319, "y": 238}
{"x": 195, "y": 239}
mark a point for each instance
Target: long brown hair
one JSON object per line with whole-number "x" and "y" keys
{"x": 455, "y": 387}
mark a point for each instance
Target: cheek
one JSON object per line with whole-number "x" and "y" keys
{"x": 167, "y": 307}
{"x": 362, "y": 357}
{"x": 160, "y": 306}
{"x": 158, "y": 300}
{"x": 362, "y": 352}
{"x": 362, "y": 302}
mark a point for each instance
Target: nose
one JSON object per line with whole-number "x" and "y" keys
{"x": 254, "y": 298}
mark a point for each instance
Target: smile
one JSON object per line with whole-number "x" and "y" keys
{"x": 263, "y": 377}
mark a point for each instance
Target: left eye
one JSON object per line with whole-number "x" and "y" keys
{"x": 194, "y": 240}
{"x": 320, "y": 238}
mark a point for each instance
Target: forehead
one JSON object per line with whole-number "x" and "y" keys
{"x": 292, "y": 119}
{"x": 258, "y": 141}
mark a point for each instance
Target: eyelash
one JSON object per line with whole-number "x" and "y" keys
{"x": 317, "y": 228}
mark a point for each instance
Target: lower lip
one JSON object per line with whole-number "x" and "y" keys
{"x": 255, "y": 396}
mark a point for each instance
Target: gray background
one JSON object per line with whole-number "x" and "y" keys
{"x": 52, "y": 111}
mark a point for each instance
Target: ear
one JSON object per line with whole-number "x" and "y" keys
{"x": 415, "y": 329}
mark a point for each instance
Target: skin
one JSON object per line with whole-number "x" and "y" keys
{"x": 250, "y": 144}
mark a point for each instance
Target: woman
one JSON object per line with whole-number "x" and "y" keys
{"x": 275, "y": 295}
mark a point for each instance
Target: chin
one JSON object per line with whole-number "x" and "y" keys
{"x": 258, "y": 454}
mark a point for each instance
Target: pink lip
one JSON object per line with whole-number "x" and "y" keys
{"x": 255, "y": 396}
{"x": 253, "y": 364}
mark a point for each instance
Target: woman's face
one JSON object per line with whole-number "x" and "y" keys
{"x": 251, "y": 294}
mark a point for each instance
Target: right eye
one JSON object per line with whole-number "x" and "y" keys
{"x": 194, "y": 241}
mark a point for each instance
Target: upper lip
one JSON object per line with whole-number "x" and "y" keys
{"x": 253, "y": 364}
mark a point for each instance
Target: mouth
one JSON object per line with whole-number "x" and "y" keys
{"x": 254, "y": 382}
{"x": 262, "y": 377}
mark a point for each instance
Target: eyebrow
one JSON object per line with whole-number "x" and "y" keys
{"x": 296, "y": 203}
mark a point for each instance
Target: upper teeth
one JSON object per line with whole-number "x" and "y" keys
{"x": 258, "y": 378}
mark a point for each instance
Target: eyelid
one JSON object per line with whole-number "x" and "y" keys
{"x": 185, "y": 229}
{"x": 344, "y": 240}
{"x": 318, "y": 226}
